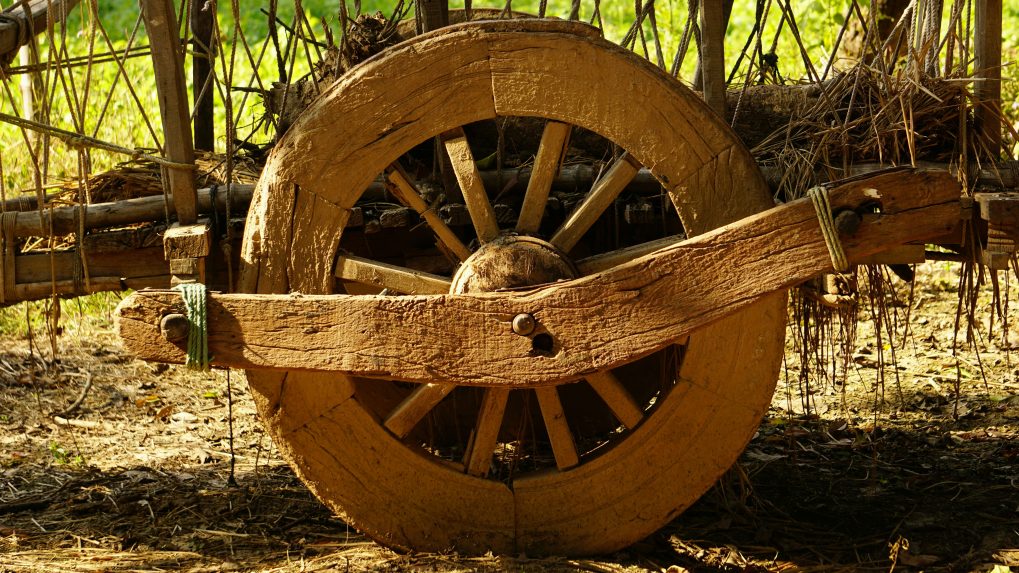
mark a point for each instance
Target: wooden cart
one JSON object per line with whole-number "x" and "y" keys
{"x": 542, "y": 359}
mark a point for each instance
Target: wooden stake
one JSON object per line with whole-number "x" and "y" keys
{"x": 202, "y": 27}
{"x": 987, "y": 88}
{"x": 712, "y": 57}
{"x": 167, "y": 61}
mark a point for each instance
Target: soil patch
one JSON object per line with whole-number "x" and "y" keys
{"x": 911, "y": 465}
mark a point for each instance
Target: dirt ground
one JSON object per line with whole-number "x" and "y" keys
{"x": 909, "y": 473}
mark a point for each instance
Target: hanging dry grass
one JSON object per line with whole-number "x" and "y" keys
{"x": 867, "y": 116}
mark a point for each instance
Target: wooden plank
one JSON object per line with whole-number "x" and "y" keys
{"x": 987, "y": 64}
{"x": 415, "y": 407}
{"x": 398, "y": 183}
{"x": 478, "y": 459}
{"x": 559, "y": 435}
{"x": 617, "y": 398}
{"x": 551, "y": 151}
{"x": 28, "y": 20}
{"x": 475, "y": 195}
{"x": 392, "y": 277}
{"x": 168, "y": 67}
{"x": 596, "y": 322}
{"x": 595, "y": 202}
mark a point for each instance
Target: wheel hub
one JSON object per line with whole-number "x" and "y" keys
{"x": 510, "y": 262}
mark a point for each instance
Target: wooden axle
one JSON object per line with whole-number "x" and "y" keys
{"x": 584, "y": 325}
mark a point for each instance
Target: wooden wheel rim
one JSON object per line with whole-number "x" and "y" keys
{"x": 428, "y": 86}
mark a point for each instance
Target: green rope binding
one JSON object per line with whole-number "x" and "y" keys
{"x": 819, "y": 196}
{"x": 198, "y": 332}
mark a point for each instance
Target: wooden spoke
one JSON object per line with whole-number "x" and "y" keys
{"x": 475, "y": 196}
{"x": 617, "y": 398}
{"x": 605, "y": 261}
{"x": 563, "y": 446}
{"x": 401, "y": 187}
{"x": 551, "y": 152}
{"x": 597, "y": 200}
{"x": 413, "y": 409}
{"x": 392, "y": 277}
{"x": 479, "y": 451}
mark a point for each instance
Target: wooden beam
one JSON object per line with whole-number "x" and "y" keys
{"x": 595, "y": 323}
{"x": 433, "y": 14}
{"x": 168, "y": 68}
{"x": 22, "y": 22}
{"x": 987, "y": 84}
{"x": 605, "y": 261}
{"x": 617, "y": 398}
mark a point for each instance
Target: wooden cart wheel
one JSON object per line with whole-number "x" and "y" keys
{"x": 357, "y": 443}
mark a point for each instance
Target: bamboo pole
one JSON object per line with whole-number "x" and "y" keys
{"x": 64, "y": 220}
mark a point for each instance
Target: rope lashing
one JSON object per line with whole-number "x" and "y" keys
{"x": 819, "y": 196}
{"x": 198, "y": 332}
{"x": 19, "y": 23}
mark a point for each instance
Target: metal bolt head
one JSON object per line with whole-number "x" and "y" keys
{"x": 174, "y": 327}
{"x": 524, "y": 324}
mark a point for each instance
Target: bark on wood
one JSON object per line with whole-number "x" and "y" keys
{"x": 64, "y": 220}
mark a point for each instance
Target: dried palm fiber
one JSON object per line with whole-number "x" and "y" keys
{"x": 901, "y": 119}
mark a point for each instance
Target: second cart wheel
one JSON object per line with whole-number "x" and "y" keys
{"x": 586, "y": 466}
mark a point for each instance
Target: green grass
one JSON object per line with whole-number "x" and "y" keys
{"x": 120, "y": 119}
